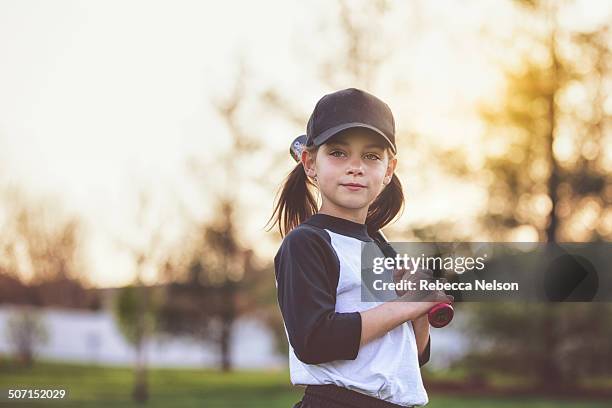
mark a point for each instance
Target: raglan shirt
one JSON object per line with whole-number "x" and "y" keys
{"x": 318, "y": 279}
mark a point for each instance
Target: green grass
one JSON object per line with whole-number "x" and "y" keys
{"x": 104, "y": 387}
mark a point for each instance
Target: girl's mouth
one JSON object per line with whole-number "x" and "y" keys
{"x": 353, "y": 186}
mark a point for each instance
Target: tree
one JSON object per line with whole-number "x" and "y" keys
{"x": 210, "y": 268}
{"x": 212, "y": 288}
{"x": 552, "y": 123}
{"x": 546, "y": 169}
{"x": 213, "y": 280}
{"x": 136, "y": 304}
{"x": 41, "y": 248}
{"x": 134, "y": 309}
{"x": 25, "y": 330}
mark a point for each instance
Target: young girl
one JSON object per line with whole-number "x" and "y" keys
{"x": 348, "y": 353}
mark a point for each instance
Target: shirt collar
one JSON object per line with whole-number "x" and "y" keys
{"x": 340, "y": 226}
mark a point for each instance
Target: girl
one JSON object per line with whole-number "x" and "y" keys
{"x": 347, "y": 352}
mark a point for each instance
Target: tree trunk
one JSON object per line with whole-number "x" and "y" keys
{"x": 26, "y": 357}
{"x": 550, "y": 373}
{"x": 553, "y": 181}
{"x": 140, "y": 391}
{"x": 226, "y": 330}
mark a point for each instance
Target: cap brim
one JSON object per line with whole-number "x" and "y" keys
{"x": 329, "y": 133}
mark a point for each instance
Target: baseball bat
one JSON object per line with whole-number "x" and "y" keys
{"x": 441, "y": 314}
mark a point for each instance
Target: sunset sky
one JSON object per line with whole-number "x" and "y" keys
{"x": 99, "y": 100}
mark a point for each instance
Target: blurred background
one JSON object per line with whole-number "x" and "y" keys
{"x": 142, "y": 145}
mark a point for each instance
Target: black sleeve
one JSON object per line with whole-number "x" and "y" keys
{"x": 307, "y": 271}
{"x": 424, "y": 357}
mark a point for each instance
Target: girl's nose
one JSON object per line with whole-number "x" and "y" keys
{"x": 355, "y": 167}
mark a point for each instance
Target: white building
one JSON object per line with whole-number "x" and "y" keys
{"x": 93, "y": 337}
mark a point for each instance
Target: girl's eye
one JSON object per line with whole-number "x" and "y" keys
{"x": 369, "y": 156}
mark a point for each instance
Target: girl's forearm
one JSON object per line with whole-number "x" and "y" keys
{"x": 421, "y": 332}
{"x": 381, "y": 319}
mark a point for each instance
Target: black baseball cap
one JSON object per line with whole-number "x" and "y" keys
{"x": 350, "y": 108}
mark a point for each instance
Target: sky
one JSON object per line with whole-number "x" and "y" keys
{"x": 100, "y": 97}
{"x": 100, "y": 100}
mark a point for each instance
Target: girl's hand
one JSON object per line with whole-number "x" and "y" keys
{"x": 414, "y": 310}
{"x": 415, "y": 278}
{"x": 418, "y": 302}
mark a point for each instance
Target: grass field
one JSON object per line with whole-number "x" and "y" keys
{"x": 104, "y": 387}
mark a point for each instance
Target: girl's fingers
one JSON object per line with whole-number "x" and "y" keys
{"x": 421, "y": 293}
{"x": 441, "y": 297}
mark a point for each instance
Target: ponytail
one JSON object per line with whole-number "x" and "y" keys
{"x": 296, "y": 202}
{"x": 386, "y": 207}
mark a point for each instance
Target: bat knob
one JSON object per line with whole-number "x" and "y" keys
{"x": 440, "y": 315}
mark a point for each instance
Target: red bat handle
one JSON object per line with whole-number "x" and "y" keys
{"x": 440, "y": 315}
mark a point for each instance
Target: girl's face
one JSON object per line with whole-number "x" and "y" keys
{"x": 351, "y": 170}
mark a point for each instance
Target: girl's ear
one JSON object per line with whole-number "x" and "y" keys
{"x": 308, "y": 162}
{"x": 390, "y": 170}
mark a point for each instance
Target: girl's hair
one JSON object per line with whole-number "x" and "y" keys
{"x": 296, "y": 201}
